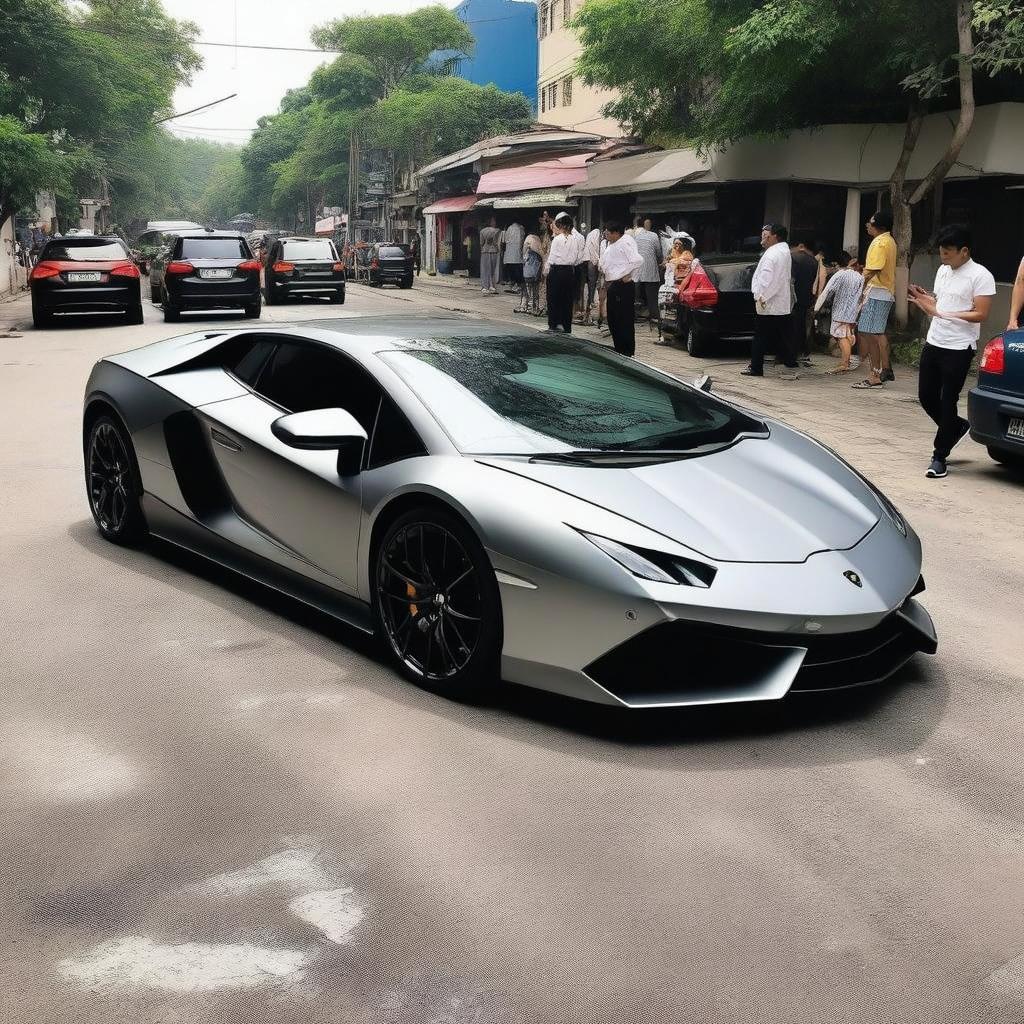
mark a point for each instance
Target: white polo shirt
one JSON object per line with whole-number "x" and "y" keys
{"x": 955, "y": 292}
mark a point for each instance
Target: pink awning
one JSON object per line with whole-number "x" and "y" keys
{"x": 455, "y": 204}
{"x": 558, "y": 173}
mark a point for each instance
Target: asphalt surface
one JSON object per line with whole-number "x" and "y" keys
{"x": 217, "y": 806}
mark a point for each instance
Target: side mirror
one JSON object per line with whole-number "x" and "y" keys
{"x": 324, "y": 430}
{"x": 703, "y": 382}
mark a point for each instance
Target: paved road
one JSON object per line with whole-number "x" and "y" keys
{"x": 219, "y": 807}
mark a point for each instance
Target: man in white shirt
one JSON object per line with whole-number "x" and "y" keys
{"x": 512, "y": 238}
{"x": 772, "y": 288}
{"x": 560, "y": 271}
{"x": 618, "y": 264}
{"x": 591, "y": 257}
{"x": 961, "y": 304}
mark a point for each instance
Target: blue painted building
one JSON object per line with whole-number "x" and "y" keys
{"x": 506, "y": 45}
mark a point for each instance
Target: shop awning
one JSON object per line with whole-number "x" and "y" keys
{"x": 539, "y": 197}
{"x": 560, "y": 172}
{"x": 647, "y": 172}
{"x": 328, "y": 225}
{"x": 454, "y": 204}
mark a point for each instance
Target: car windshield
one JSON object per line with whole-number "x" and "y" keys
{"x": 391, "y": 251}
{"x": 100, "y": 251}
{"x": 312, "y": 250}
{"x": 213, "y": 248}
{"x": 557, "y": 396}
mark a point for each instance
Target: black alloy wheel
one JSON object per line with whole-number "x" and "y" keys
{"x": 437, "y": 604}
{"x": 113, "y": 483}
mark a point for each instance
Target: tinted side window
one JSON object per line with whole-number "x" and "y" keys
{"x": 393, "y": 436}
{"x": 247, "y": 358}
{"x": 303, "y": 377}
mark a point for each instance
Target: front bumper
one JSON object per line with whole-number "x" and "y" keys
{"x": 989, "y": 413}
{"x": 760, "y": 631}
{"x": 679, "y": 663}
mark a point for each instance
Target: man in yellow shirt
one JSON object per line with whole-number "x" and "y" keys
{"x": 879, "y": 298}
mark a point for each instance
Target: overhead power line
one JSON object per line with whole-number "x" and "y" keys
{"x": 185, "y": 113}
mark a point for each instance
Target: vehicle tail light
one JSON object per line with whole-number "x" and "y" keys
{"x": 281, "y": 267}
{"x": 43, "y": 270}
{"x": 125, "y": 270}
{"x": 179, "y": 267}
{"x": 249, "y": 265}
{"x": 338, "y": 266}
{"x": 993, "y": 359}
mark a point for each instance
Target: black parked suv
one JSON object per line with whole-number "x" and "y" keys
{"x": 727, "y": 324}
{"x": 390, "y": 263}
{"x": 306, "y": 268}
{"x": 85, "y": 274}
{"x": 206, "y": 270}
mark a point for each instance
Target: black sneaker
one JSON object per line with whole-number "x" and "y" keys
{"x": 937, "y": 469}
{"x": 887, "y": 374}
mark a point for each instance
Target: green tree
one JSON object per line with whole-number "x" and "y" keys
{"x": 713, "y": 71}
{"x": 394, "y": 46}
{"x": 86, "y": 79}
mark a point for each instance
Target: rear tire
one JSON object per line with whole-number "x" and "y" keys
{"x": 437, "y": 606}
{"x": 338, "y": 299}
{"x": 171, "y": 313}
{"x": 41, "y": 318}
{"x": 1009, "y": 459}
{"x": 271, "y": 297}
{"x": 135, "y": 314}
{"x": 407, "y": 283}
{"x": 252, "y": 311}
{"x": 154, "y": 294}
{"x": 113, "y": 484}
{"x": 697, "y": 343}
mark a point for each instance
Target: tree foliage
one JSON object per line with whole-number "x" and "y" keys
{"x": 86, "y": 80}
{"x": 382, "y": 87}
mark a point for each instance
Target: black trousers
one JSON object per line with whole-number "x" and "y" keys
{"x": 772, "y": 334}
{"x": 647, "y": 292}
{"x": 620, "y": 317}
{"x": 513, "y": 273}
{"x": 939, "y": 383}
{"x": 561, "y": 288}
{"x": 801, "y": 317}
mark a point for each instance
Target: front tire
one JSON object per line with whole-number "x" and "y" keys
{"x": 113, "y": 483}
{"x": 436, "y": 603}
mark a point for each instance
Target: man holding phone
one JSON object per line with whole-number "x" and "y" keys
{"x": 960, "y": 305}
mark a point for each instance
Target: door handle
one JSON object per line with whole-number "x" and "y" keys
{"x": 224, "y": 441}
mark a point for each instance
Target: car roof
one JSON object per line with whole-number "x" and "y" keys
{"x": 302, "y": 238}
{"x": 207, "y": 234}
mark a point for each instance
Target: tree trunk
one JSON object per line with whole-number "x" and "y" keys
{"x": 902, "y": 203}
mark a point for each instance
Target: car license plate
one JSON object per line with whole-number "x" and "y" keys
{"x": 215, "y": 274}
{"x": 1016, "y": 428}
{"x": 84, "y": 275}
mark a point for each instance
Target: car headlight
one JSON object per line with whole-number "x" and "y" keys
{"x": 657, "y": 566}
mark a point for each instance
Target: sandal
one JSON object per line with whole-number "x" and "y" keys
{"x": 837, "y": 370}
{"x": 863, "y": 385}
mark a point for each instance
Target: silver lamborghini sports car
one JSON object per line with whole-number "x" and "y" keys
{"x": 502, "y": 503}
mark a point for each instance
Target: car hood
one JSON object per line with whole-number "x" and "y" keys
{"x": 779, "y": 499}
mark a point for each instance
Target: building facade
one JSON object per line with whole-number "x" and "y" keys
{"x": 563, "y": 98}
{"x": 505, "y": 54}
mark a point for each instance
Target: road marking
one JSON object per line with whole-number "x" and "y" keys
{"x": 138, "y": 962}
{"x": 333, "y": 912}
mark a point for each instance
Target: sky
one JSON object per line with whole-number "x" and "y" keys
{"x": 259, "y": 77}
